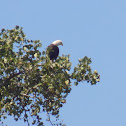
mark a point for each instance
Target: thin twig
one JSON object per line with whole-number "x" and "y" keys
{"x": 28, "y": 95}
{"x": 49, "y": 119}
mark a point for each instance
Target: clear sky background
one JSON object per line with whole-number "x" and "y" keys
{"x": 93, "y": 28}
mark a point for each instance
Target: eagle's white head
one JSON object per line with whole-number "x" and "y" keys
{"x": 57, "y": 42}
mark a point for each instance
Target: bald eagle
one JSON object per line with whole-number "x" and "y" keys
{"x": 53, "y": 50}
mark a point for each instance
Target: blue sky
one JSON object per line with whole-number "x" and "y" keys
{"x": 93, "y": 28}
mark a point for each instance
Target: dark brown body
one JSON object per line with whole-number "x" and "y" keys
{"x": 52, "y": 51}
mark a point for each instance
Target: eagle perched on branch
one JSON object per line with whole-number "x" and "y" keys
{"x": 53, "y": 50}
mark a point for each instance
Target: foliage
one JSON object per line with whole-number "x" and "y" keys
{"x": 30, "y": 83}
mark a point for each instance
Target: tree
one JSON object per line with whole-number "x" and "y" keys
{"x": 30, "y": 83}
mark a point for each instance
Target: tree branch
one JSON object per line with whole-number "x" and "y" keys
{"x": 8, "y": 79}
